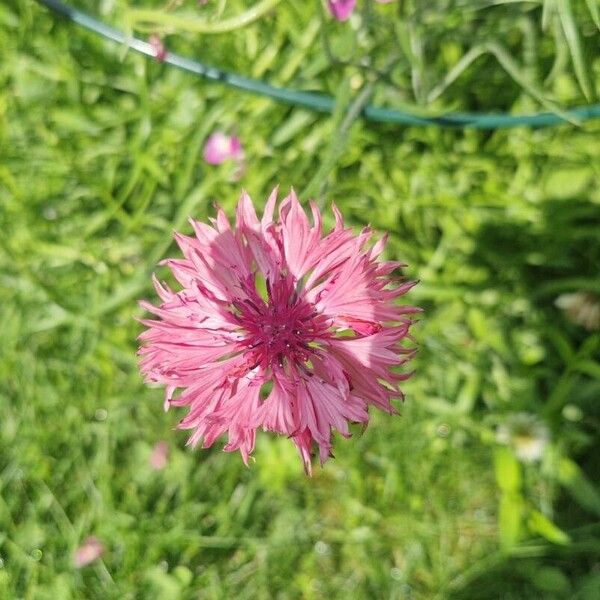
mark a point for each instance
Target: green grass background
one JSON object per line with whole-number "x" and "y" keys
{"x": 100, "y": 160}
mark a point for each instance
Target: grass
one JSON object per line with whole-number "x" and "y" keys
{"x": 101, "y": 160}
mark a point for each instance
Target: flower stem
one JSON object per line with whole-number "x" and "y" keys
{"x": 145, "y": 17}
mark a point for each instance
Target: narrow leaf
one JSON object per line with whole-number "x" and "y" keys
{"x": 571, "y": 32}
{"x": 507, "y": 470}
{"x": 540, "y": 524}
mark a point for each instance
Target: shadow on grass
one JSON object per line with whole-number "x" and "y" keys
{"x": 559, "y": 253}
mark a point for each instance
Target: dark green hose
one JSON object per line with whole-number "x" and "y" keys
{"x": 321, "y": 102}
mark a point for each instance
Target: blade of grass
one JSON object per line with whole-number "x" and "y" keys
{"x": 455, "y": 72}
{"x": 514, "y": 70}
{"x": 343, "y": 120}
{"x": 594, "y": 11}
{"x": 548, "y": 9}
{"x": 580, "y": 63}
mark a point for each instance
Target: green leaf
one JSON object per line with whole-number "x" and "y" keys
{"x": 158, "y": 19}
{"x": 510, "y": 517}
{"x": 507, "y": 470}
{"x": 589, "y": 367}
{"x": 516, "y": 72}
{"x": 588, "y": 587}
{"x": 161, "y": 585}
{"x": 571, "y": 32}
{"x": 300, "y": 120}
{"x": 467, "y": 396}
{"x": 594, "y": 11}
{"x": 579, "y": 486}
{"x": 551, "y": 579}
{"x": 540, "y": 524}
{"x": 183, "y": 575}
{"x": 567, "y": 183}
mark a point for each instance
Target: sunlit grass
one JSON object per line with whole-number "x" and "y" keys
{"x": 101, "y": 160}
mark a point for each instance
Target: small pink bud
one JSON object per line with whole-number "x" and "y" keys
{"x": 220, "y": 147}
{"x": 341, "y": 9}
{"x": 88, "y": 552}
{"x": 159, "y": 456}
{"x": 160, "y": 52}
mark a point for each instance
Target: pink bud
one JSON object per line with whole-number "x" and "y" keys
{"x": 220, "y": 147}
{"x": 88, "y": 552}
{"x": 159, "y": 456}
{"x": 158, "y": 47}
{"x": 341, "y": 9}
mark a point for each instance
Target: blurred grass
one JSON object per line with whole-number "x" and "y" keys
{"x": 101, "y": 160}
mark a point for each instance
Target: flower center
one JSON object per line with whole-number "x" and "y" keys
{"x": 280, "y": 328}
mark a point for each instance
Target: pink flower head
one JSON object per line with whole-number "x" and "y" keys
{"x": 91, "y": 550}
{"x": 220, "y": 147}
{"x": 341, "y": 9}
{"x": 158, "y": 47}
{"x": 277, "y": 326}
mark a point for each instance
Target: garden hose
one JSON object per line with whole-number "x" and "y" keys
{"x": 322, "y": 102}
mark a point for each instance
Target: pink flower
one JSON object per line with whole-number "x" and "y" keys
{"x": 158, "y": 47}
{"x": 277, "y": 326}
{"x": 159, "y": 456}
{"x": 91, "y": 550}
{"x": 221, "y": 147}
{"x": 342, "y": 9}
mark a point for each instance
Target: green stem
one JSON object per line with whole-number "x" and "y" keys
{"x": 317, "y": 184}
{"x": 146, "y": 17}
